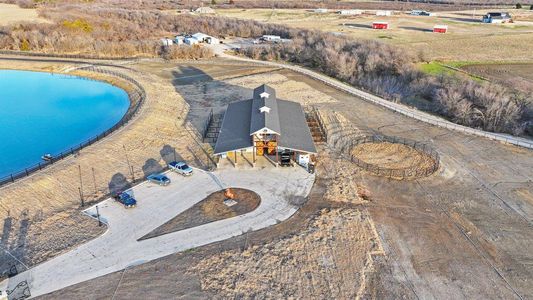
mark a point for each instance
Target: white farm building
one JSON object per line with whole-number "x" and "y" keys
{"x": 191, "y": 41}
{"x": 384, "y": 13}
{"x": 204, "y": 10}
{"x": 166, "y": 42}
{"x": 350, "y": 12}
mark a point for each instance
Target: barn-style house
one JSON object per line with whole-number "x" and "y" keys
{"x": 265, "y": 126}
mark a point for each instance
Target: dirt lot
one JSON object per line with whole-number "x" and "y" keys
{"x": 392, "y": 156}
{"x": 316, "y": 263}
{"x": 519, "y": 76}
{"x": 467, "y": 40}
{"x": 211, "y": 209}
{"x": 11, "y": 13}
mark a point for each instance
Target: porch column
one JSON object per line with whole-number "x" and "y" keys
{"x": 235, "y": 153}
{"x": 253, "y": 155}
{"x": 276, "y": 149}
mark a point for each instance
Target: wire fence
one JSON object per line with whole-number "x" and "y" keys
{"x": 137, "y": 96}
{"x": 400, "y": 173}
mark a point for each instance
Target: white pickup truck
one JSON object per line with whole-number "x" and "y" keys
{"x": 180, "y": 167}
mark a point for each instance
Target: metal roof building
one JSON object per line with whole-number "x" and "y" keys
{"x": 264, "y": 125}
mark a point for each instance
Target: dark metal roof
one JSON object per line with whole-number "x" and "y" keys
{"x": 243, "y": 118}
{"x": 235, "y": 133}
{"x": 260, "y": 120}
{"x": 295, "y": 133}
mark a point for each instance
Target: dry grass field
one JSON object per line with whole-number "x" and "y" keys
{"x": 519, "y": 76}
{"x": 11, "y": 13}
{"x": 317, "y": 263}
{"x": 467, "y": 40}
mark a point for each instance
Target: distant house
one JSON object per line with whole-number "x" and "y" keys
{"x": 440, "y": 28}
{"x": 380, "y": 25}
{"x": 321, "y": 10}
{"x": 422, "y": 13}
{"x": 204, "y": 38}
{"x": 497, "y": 17}
{"x": 212, "y": 40}
{"x": 191, "y": 41}
{"x": 166, "y": 42}
{"x": 201, "y": 37}
{"x": 204, "y": 10}
{"x": 350, "y": 12}
{"x": 386, "y": 13}
{"x": 179, "y": 40}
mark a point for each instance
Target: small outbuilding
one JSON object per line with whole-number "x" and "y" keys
{"x": 178, "y": 40}
{"x": 271, "y": 38}
{"x": 380, "y": 25}
{"x": 191, "y": 41}
{"x": 497, "y": 17}
{"x": 212, "y": 40}
{"x": 385, "y": 13}
{"x": 440, "y": 28}
{"x": 204, "y": 10}
{"x": 422, "y": 13}
{"x": 321, "y": 10}
{"x": 166, "y": 42}
{"x": 350, "y": 12}
{"x": 201, "y": 37}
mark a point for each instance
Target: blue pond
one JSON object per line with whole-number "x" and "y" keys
{"x": 49, "y": 113}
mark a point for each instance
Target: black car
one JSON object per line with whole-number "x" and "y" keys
{"x": 285, "y": 159}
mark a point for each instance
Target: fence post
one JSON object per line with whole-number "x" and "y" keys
{"x": 81, "y": 198}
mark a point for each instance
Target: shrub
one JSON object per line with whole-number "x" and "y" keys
{"x": 518, "y": 6}
{"x": 25, "y": 45}
{"x": 80, "y": 24}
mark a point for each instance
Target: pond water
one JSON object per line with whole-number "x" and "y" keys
{"x": 44, "y": 113}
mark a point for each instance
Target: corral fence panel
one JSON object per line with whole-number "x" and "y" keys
{"x": 396, "y": 173}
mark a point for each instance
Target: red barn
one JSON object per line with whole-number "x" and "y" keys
{"x": 440, "y": 28}
{"x": 380, "y": 25}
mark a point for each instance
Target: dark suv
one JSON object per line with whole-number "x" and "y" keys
{"x": 285, "y": 159}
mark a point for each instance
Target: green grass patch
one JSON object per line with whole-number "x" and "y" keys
{"x": 435, "y": 68}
